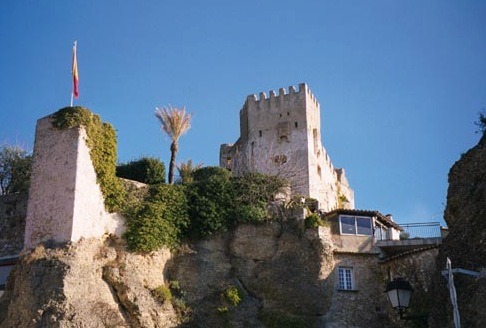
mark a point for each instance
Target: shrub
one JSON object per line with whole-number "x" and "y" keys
{"x": 277, "y": 319}
{"x": 481, "y": 122}
{"x": 222, "y": 309}
{"x": 147, "y": 170}
{"x": 233, "y": 295}
{"x": 313, "y": 220}
{"x": 162, "y": 294}
{"x": 210, "y": 199}
{"x": 160, "y": 220}
{"x": 217, "y": 200}
{"x": 253, "y": 191}
{"x": 404, "y": 235}
{"x": 184, "y": 311}
{"x": 256, "y": 187}
{"x": 15, "y": 167}
{"x": 255, "y": 213}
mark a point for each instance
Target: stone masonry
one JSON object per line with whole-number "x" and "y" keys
{"x": 65, "y": 201}
{"x": 281, "y": 135}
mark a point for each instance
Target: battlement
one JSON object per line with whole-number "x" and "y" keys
{"x": 262, "y": 100}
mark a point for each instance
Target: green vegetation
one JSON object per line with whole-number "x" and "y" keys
{"x": 277, "y": 319}
{"x": 162, "y": 294}
{"x": 161, "y": 219}
{"x": 213, "y": 202}
{"x": 233, "y": 295}
{"x": 230, "y": 297}
{"x": 481, "y": 122}
{"x": 15, "y": 167}
{"x": 313, "y": 220}
{"x": 186, "y": 171}
{"x": 211, "y": 199}
{"x": 102, "y": 144}
{"x": 253, "y": 191}
{"x": 147, "y": 170}
{"x": 184, "y": 312}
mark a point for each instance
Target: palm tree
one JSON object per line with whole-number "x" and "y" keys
{"x": 186, "y": 169}
{"x": 175, "y": 122}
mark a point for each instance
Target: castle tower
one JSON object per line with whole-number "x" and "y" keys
{"x": 65, "y": 201}
{"x": 281, "y": 135}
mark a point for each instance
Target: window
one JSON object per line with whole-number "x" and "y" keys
{"x": 381, "y": 233}
{"x": 260, "y": 133}
{"x": 283, "y": 129}
{"x": 355, "y": 225}
{"x": 345, "y": 278}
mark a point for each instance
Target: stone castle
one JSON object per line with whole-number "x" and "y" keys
{"x": 330, "y": 276}
{"x": 281, "y": 135}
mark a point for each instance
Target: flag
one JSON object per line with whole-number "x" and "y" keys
{"x": 74, "y": 71}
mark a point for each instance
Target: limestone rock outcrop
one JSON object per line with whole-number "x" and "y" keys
{"x": 465, "y": 245}
{"x": 86, "y": 284}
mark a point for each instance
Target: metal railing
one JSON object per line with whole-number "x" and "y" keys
{"x": 420, "y": 230}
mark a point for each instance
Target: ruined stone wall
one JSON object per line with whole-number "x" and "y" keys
{"x": 13, "y": 209}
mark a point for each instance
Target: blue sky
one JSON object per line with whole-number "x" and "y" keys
{"x": 400, "y": 83}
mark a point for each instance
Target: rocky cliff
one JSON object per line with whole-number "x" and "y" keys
{"x": 465, "y": 245}
{"x": 280, "y": 275}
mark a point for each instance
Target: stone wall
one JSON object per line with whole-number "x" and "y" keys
{"x": 366, "y": 305}
{"x": 13, "y": 209}
{"x": 281, "y": 135}
{"x": 418, "y": 269}
{"x": 65, "y": 201}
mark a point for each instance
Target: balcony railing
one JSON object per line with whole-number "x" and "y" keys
{"x": 420, "y": 230}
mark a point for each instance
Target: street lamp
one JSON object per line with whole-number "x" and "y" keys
{"x": 399, "y": 293}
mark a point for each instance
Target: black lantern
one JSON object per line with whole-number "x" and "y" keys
{"x": 399, "y": 293}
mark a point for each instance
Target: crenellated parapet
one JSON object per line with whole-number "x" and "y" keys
{"x": 292, "y": 95}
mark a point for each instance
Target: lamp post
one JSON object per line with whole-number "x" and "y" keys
{"x": 399, "y": 293}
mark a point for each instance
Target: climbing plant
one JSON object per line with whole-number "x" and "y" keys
{"x": 101, "y": 140}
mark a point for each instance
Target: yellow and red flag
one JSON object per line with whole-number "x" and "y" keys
{"x": 74, "y": 71}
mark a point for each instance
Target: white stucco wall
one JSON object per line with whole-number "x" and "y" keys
{"x": 65, "y": 201}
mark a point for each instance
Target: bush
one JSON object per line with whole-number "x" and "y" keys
{"x": 233, "y": 295}
{"x": 160, "y": 220}
{"x": 277, "y": 319}
{"x": 256, "y": 213}
{"x": 253, "y": 191}
{"x": 15, "y": 167}
{"x": 147, "y": 170}
{"x": 313, "y": 220}
{"x": 217, "y": 200}
{"x": 162, "y": 294}
{"x": 210, "y": 199}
